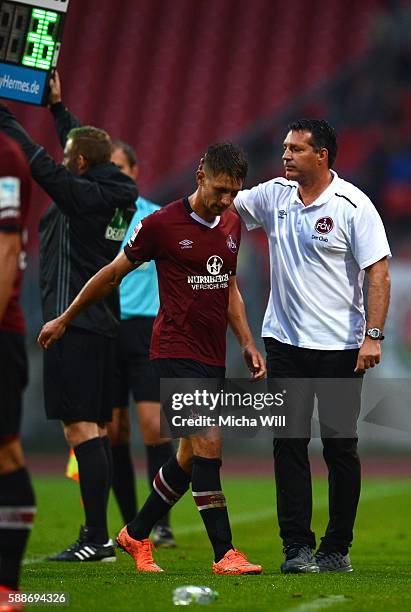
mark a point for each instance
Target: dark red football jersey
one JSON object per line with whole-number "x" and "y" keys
{"x": 194, "y": 261}
{"x": 15, "y": 185}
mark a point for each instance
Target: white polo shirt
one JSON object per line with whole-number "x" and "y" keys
{"x": 317, "y": 258}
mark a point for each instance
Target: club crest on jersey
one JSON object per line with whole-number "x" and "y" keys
{"x": 324, "y": 225}
{"x": 134, "y": 234}
{"x": 214, "y": 265}
{"x": 231, "y": 243}
{"x": 186, "y": 244}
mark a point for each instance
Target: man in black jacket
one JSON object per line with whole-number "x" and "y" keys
{"x": 79, "y": 233}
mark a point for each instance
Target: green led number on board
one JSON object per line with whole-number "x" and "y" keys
{"x": 40, "y": 41}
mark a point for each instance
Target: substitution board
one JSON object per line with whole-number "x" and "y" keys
{"x": 30, "y": 41}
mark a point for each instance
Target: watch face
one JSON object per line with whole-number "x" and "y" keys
{"x": 374, "y": 333}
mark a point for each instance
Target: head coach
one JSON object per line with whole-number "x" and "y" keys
{"x": 324, "y": 236}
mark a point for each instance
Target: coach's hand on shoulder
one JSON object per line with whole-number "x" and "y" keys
{"x": 51, "y": 331}
{"x": 254, "y": 361}
{"x": 369, "y": 355}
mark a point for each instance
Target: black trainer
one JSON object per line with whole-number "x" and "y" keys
{"x": 299, "y": 559}
{"x": 333, "y": 561}
{"x": 85, "y": 550}
{"x": 162, "y": 537}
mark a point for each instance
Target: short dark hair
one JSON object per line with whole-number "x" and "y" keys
{"x": 93, "y": 143}
{"x": 226, "y": 158}
{"x": 127, "y": 150}
{"x": 322, "y": 135}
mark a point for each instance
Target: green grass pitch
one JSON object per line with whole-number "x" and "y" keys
{"x": 381, "y": 554}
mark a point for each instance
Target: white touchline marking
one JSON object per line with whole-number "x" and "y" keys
{"x": 318, "y": 604}
{"x": 34, "y": 560}
{"x": 245, "y": 517}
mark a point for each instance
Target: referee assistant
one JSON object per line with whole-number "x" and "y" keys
{"x": 324, "y": 236}
{"x": 80, "y": 232}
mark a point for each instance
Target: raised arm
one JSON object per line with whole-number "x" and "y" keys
{"x": 378, "y": 301}
{"x": 54, "y": 178}
{"x": 64, "y": 119}
{"x": 237, "y": 320}
{"x": 98, "y": 287}
{"x": 72, "y": 194}
{"x": 12, "y": 128}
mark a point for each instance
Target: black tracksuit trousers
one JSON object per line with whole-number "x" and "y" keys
{"x": 306, "y": 373}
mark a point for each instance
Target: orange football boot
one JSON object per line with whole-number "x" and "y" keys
{"x": 235, "y": 562}
{"x": 140, "y": 550}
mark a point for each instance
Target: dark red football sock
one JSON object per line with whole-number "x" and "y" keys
{"x": 211, "y": 503}
{"x": 157, "y": 456}
{"x": 170, "y": 483}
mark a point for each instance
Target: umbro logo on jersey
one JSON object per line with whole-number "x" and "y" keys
{"x": 324, "y": 225}
{"x": 185, "y": 244}
{"x": 282, "y": 214}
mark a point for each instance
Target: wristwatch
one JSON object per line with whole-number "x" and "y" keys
{"x": 375, "y": 333}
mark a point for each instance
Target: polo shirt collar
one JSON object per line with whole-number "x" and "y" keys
{"x": 324, "y": 197}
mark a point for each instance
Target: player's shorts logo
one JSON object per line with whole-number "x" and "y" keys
{"x": 214, "y": 264}
{"x": 324, "y": 225}
{"x": 231, "y": 243}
